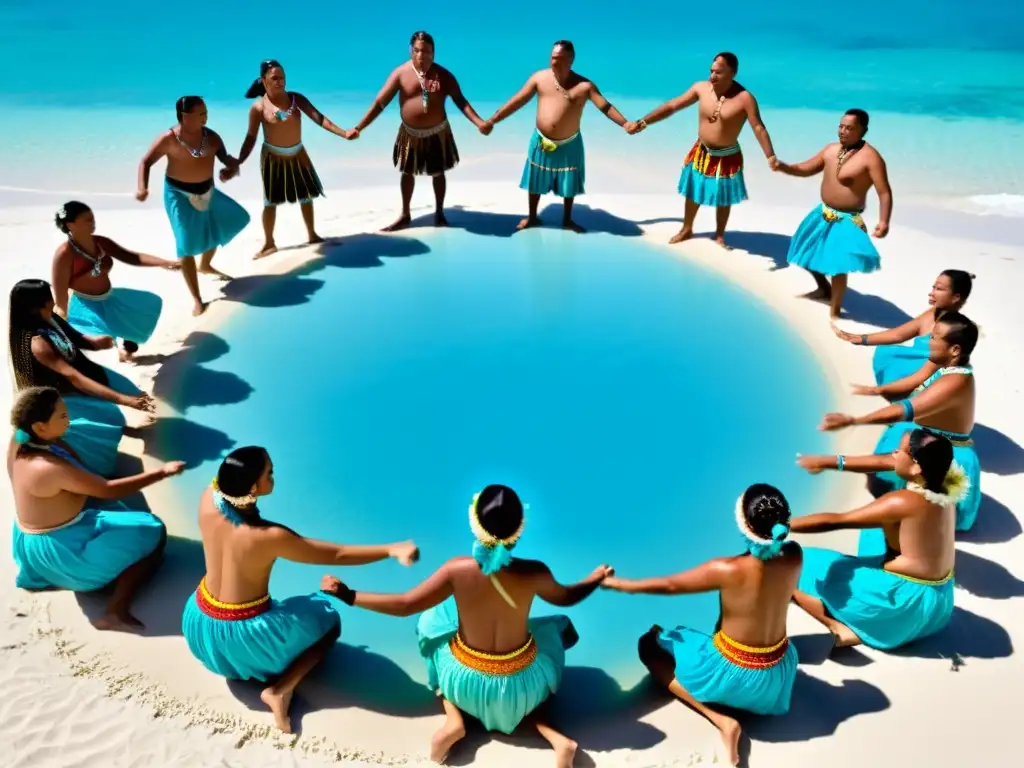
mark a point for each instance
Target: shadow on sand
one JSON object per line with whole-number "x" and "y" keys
{"x": 984, "y": 578}
{"x": 362, "y": 251}
{"x": 271, "y": 291}
{"x": 172, "y": 438}
{"x": 183, "y": 381}
{"x": 997, "y": 452}
{"x": 995, "y": 524}
{"x": 504, "y": 224}
{"x": 968, "y": 635}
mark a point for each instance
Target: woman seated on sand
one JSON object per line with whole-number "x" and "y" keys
{"x": 889, "y": 600}
{"x": 749, "y": 663}
{"x": 940, "y": 398}
{"x": 47, "y": 352}
{"x": 72, "y": 530}
{"x": 82, "y": 266}
{"x": 231, "y": 624}
{"x": 485, "y": 656}
{"x": 893, "y": 360}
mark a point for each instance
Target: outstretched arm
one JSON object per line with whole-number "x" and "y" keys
{"x": 156, "y": 151}
{"x": 756, "y": 124}
{"x": 517, "y": 102}
{"x": 424, "y": 595}
{"x": 605, "y": 106}
{"x": 880, "y": 178}
{"x": 862, "y": 464}
{"x": 924, "y": 404}
{"x": 45, "y": 354}
{"x": 460, "y": 101}
{"x": 708, "y": 577}
{"x": 75, "y": 480}
{"x": 319, "y": 118}
{"x": 897, "y": 335}
{"x": 670, "y": 107}
{"x": 132, "y": 257}
{"x": 550, "y": 591}
{"x": 890, "y": 508}
{"x": 298, "y": 549}
{"x": 807, "y": 168}
{"x": 251, "y": 133}
{"x": 387, "y": 93}
{"x": 907, "y": 384}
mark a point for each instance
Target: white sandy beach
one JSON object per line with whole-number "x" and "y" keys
{"x": 72, "y": 696}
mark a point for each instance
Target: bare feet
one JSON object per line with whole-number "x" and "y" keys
{"x": 440, "y": 220}
{"x": 682, "y": 234}
{"x": 119, "y": 621}
{"x": 402, "y": 222}
{"x": 125, "y": 356}
{"x": 447, "y": 736}
{"x": 199, "y": 308}
{"x": 721, "y": 242}
{"x": 818, "y": 294}
{"x": 314, "y": 239}
{"x": 731, "y": 733}
{"x": 266, "y": 250}
{"x": 213, "y": 272}
{"x": 527, "y": 223}
{"x": 573, "y": 226}
{"x": 278, "y": 703}
{"x": 843, "y": 636}
{"x": 565, "y": 753}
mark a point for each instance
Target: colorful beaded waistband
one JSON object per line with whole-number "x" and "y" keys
{"x": 215, "y": 609}
{"x": 491, "y": 663}
{"x": 747, "y": 657}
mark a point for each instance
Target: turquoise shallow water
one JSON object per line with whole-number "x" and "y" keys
{"x": 628, "y": 396}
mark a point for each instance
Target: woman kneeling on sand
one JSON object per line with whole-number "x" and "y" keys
{"x": 749, "y": 663}
{"x": 47, "y": 352}
{"x": 485, "y": 656}
{"x": 72, "y": 530}
{"x": 82, "y": 267}
{"x": 231, "y": 624}
{"x": 890, "y": 600}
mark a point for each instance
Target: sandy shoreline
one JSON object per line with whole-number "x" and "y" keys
{"x": 142, "y": 700}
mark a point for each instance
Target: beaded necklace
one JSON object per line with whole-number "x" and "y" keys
{"x": 96, "y": 261}
{"x": 424, "y": 93}
{"x": 60, "y": 340}
{"x": 843, "y": 153}
{"x": 197, "y": 153}
{"x": 283, "y": 115}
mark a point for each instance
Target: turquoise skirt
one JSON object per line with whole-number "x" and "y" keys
{"x": 97, "y": 425}
{"x": 884, "y": 609}
{"x": 832, "y": 243}
{"x": 896, "y": 361}
{"x": 500, "y": 701}
{"x": 963, "y": 454}
{"x": 561, "y": 169}
{"x": 261, "y": 647}
{"x": 202, "y": 222}
{"x": 711, "y": 678}
{"x": 712, "y": 176}
{"x": 89, "y": 552}
{"x": 123, "y": 313}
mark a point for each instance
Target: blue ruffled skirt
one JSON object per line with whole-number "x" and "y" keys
{"x": 198, "y": 230}
{"x": 896, "y": 361}
{"x": 499, "y": 701}
{"x": 123, "y": 313}
{"x": 562, "y": 171}
{"x": 713, "y": 176}
{"x": 97, "y": 425}
{"x": 711, "y": 678}
{"x": 964, "y": 455}
{"x": 886, "y": 610}
{"x": 89, "y": 552}
{"x": 833, "y": 243}
{"x": 261, "y": 647}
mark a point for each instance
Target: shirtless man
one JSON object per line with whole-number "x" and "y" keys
{"x": 939, "y": 397}
{"x": 749, "y": 663}
{"x": 476, "y": 634}
{"x": 832, "y": 240}
{"x": 713, "y": 171}
{"x": 72, "y": 530}
{"x": 425, "y": 145}
{"x": 240, "y": 547}
{"x": 287, "y": 172}
{"x": 202, "y": 217}
{"x": 555, "y": 160}
{"x": 905, "y": 591}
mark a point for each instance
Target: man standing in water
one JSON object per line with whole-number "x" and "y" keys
{"x": 555, "y": 161}
{"x": 713, "y": 171}
{"x": 425, "y": 145}
{"x": 832, "y": 240}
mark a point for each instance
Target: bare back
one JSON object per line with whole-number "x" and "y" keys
{"x": 846, "y": 188}
{"x": 956, "y": 412}
{"x": 725, "y": 130}
{"x": 487, "y": 622}
{"x": 925, "y": 540}
{"x": 38, "y": 481}
{"x": 280, "y": 133}
{"x": 756, "y": 601}
{"x": 181, "y": 165}
{"x": 239, "y": 558}
{"x": 438, "y": 83}
{"x": 560, "y": 109}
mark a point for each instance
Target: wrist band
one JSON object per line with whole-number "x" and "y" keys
{"x": 863, "y": 339}
{"x": 349, "y": 598}
{"x": 908, "y": 409}
{"x": 840, "y": 462}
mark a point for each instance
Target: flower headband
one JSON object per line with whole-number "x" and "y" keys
{"x": 956, "y": 484}
{"x": 763, "y": 549}
{"x": 491, "y": 553}
{"x": 62, "y": 213}
{"x": 235, "y": 501}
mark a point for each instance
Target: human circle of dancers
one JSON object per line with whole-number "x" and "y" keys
{"x": 485, "y": 656}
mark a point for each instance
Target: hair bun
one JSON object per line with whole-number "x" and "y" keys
{"x": 779, "y": 531}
